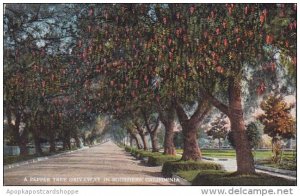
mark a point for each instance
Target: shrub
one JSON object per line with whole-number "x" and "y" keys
{"x": 133, "y": 151}
{"x": 128, "y": 148}
{"x": 287, "y": 164}
{"x": 175, "y": 166}
{"x": 160, "y": 159}
{"x": 222, "y": 178}
{"x": 253, "y": 134}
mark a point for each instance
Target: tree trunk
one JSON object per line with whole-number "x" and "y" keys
{"x": 52, "y": 142}
{"x": 77, "y": 140}
{"x": 130, "y": 140}
{"x": 23, "y": 148}
{"x": 220, "y": 143}
{"x": 84, "y": 139}
{"x": 37, "y": 143}
{"x": 65, "y": 145}
{"x": 69, "y": 143}
{"x": 154, "y": 141}
{"x": 244, "y": 157}
{"x": 276, "y": 150}
{"x": 144, "y": 140}
{"x": 20, "y": 140}
{"x": 67, "y": 140}
{"x": 167, "y": 117}
{"x": 169, "y": 147}
{"x": 191, "y": 150}
{"x": 137, "y": 141}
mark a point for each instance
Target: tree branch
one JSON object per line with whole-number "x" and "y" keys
{"x": 202, "y": 109}
{"x": 214, "y": 101}
{"x": 183, "y": 118}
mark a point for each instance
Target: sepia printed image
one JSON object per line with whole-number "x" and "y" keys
{"x": 149, "y": 94}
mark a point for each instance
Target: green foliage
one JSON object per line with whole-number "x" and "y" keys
{"x": 154, "y": 158}
{"x": 286, "y": 163}
{"x": 133, "y": 151}
{"x": 221, "y": 178}
{"x": 178, "y": 139}
{"x": 218, "y": 129}
{"x": 176, "y": 166}
{"x": 277, "y": 118}
{"x": 253, "y": 135}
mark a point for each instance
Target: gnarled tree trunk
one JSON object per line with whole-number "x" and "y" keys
{"x": 51, "y": 133}
{"x": 19, "y": 139}
{"x": 67, "y": 140}
{"x": 191, "y": 150}
{"x": 23, "y": 146}
{"x": 244, "y": 157}
{"x": 167, "y": 118}
{"x": 169, "y": 147}
{"x": 52, "y": 142}
{"x": 144, "y": 140}
{"x": 154, "y": 141}
{"x": 37, "y": 142}
{"x": 152, "y": 131}
{"x": 142, "y": 134}
{"x": 77, "y": 140}
{"x": 137, "y": 142}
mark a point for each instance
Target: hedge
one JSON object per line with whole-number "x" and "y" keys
{"x": 157, "y": 160}
{"x": 175, "y": 166}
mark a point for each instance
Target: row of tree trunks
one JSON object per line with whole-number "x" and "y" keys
{"x": 142, "y": 134}
{"x": 152, "y": 130}
{"x": 133, "y": 136}
{"x": 19, "y": 138}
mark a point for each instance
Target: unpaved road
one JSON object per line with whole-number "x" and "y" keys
{"x": 105, "y": 164}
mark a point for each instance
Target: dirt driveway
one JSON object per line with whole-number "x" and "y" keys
{"x": 105, "y": 164}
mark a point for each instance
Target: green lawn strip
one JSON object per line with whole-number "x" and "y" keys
{"x": 223, "y": 178}
{"x": 189, "y": 175}
{"x": 259, "y": 154}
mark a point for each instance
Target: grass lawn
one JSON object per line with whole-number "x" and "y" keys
{"x": 230, "y": 153}
{"x": 223, "y": 178}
